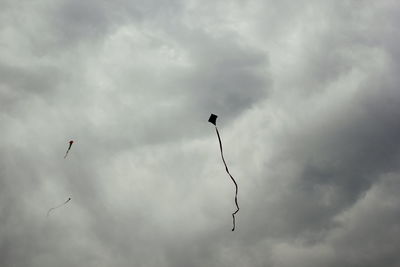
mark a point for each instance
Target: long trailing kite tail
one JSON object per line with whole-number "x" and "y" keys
{"x": 233, "y": 179}
{"x": 56, "y": 207}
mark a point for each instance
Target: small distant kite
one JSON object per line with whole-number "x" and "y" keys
{"x": 213, "y": 120}
{"x": 70, "y": 144}
{"x": 59, "y": 206}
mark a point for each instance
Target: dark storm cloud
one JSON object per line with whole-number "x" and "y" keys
{"x": 229, "y": 77}
{"x": 307, "y": 95}
{"x": 19, "y": 83}
{"x": 338, "y": 163}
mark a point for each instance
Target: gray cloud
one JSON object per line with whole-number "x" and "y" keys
{"x": 307, "y": 95}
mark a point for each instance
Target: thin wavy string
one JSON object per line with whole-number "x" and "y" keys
{"x": 233, "y": 179}
{"x": 56, "y": 207}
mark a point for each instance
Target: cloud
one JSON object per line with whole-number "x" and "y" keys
{"x": 307, "y": 97}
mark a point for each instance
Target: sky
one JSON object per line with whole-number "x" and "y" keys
{"x": 307, "y": 94}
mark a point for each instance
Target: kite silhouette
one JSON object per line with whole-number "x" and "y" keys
{"x": 70, "y": 144}
{"x": 213, "y": 120}
{"x": 59, "y": 206}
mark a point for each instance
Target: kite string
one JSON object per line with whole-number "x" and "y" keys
{"x": 227, "y": 170}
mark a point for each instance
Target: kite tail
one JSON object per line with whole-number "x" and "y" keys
{"x": 66, "y": 153}
{"x": 69, "y": 148}
{"x": 56, "y": 207}
{"x": 233, "y": 179}
{"x": 48, "y": 212}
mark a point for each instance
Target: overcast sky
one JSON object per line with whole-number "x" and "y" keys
{"x": 308, "y": 98}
